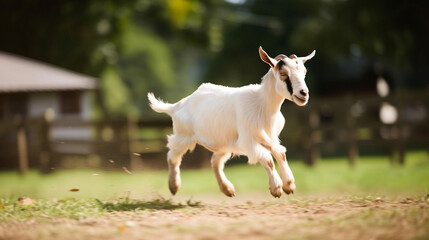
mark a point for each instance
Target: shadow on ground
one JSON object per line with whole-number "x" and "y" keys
{"x": 131, "y": 205}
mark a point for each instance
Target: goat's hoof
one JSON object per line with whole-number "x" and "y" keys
{"x": 174, "y": 188}
{"x": 289, "y": 187}
{"x": 230, "y": 194}
{"x": 228, "y": 191}
{"x": 277, "y": 192}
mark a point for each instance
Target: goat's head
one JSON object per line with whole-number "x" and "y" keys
{"x": 289, "y": 73}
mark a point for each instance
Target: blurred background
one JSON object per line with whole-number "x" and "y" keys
{"x": 74, "y": 76}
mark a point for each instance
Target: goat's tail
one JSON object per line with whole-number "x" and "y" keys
{"x": 158, "y": 105}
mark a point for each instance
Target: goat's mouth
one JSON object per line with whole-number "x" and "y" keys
{"x": 301, "y": 101}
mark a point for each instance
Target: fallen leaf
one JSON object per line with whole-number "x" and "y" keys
{"x": 122, "y": 228}
{"x": 137, "y": 154}
{"x": 26, "y": 201}
{"x": 126, "y": 170}
{"x": 111, "y": 161}
{"x": 95, "y": 174}
{"x": 74, "y": 190}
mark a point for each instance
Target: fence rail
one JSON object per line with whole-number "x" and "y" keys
{"x": 325, "y": 125}
{"x": 391, "y": 123}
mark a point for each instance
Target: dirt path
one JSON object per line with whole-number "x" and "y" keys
{"x": 339, "y": 218}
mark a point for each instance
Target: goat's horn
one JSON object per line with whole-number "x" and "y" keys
{"x": 280, "y": 57}
{"x": 304, "y": 59}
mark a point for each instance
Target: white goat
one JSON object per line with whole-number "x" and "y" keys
{"x": 240, "y": 121}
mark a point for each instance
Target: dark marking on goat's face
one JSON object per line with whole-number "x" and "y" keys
{"x": 289, "y": 86}
{"x": 284, "y": 75}
{"x": 280, "y": 65}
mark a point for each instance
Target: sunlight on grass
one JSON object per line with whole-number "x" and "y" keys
{"x": 11, "y": 210}
{"x": 372, "y": 175}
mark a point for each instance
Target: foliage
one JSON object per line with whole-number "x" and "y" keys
{"x": 170, "y": 46}
{"x": 118, "y": 100}
{"x": 79, "y": 35}
{"x": 349, "y": 36}
{"x": 128, "y": 44}
{"x": 379, "y": 30}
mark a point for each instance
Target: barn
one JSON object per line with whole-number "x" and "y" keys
{"x": 28, "y": 90}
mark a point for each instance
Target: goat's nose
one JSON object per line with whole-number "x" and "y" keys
{"x": 303, "y": 93}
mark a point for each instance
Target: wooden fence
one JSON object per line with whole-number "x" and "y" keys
{"x": 390, "y": 124}
{"x": 125, "y": 143}
{"x": 324, "y": 126}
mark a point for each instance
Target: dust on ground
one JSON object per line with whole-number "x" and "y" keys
{"x": 312, "y": 218}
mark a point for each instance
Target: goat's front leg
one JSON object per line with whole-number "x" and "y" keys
{"x": 279, "y": 153}
{"x": 218, "y": 162}
{"x": 265, "y": 159}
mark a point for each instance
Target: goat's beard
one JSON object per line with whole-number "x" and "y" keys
{"x": 299, "y": 101}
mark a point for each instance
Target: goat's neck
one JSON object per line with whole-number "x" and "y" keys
{"x": 270, "y": 99}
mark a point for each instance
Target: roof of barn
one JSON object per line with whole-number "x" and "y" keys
{"x": 19, "y": 74}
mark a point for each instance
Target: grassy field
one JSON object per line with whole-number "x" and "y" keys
{"x": 371, "y": 176}
{"x": 374, "y": 200}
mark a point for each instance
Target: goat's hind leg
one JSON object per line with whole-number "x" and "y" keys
{"x": 218, "y": 162}
{"x": 177, "y": 147}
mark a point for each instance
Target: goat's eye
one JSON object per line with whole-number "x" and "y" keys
{"x": 283, "y": 74}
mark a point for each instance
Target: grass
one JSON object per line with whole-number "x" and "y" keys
{"x": 371, "y": 175}
{"x": 133, "y": 205}
{"x": 12, "y": 210}
{"x": 84, "y": 193}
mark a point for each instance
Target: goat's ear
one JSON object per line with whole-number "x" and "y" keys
{"x": 264, "y": 56}
{"x": 304, "y": 59}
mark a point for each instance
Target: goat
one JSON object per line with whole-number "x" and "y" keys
{"x": 238, "y": 121}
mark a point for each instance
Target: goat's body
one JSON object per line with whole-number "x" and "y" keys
{"x": 227, "y": 121}
{"x": 222, "y": 119}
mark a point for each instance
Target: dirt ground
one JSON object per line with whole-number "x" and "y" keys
{"x": 312, "y": 218}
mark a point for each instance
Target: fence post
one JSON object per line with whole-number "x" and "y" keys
{"x": 313, "y": 141}
{"x": 21, "y": 139}
{"x": 401, "y": 131}
{"x": 132, "y": 136}
{"x": 46, "y": 161}
{"x": 353, "y": 151}
{"x": 123, "y": 139}
{"x": 397, "y": 131}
